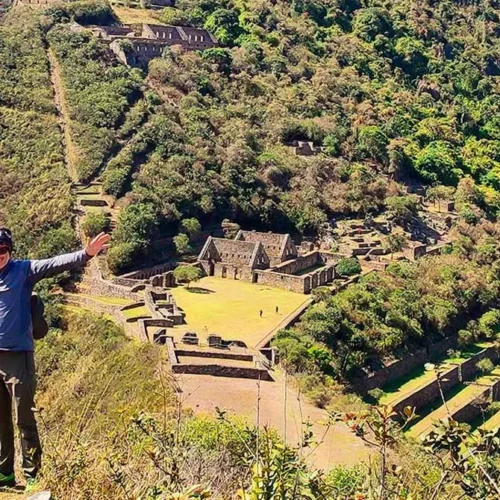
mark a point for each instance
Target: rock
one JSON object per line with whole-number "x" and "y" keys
{"x": 43, "y": 495}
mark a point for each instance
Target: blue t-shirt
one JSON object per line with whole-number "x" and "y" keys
{"x": 17, "y": 280}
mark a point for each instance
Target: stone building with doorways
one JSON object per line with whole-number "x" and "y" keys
{"x": 269, "y": 259}
{"x": 137, "y": 48}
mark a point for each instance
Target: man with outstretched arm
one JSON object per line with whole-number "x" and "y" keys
{"x": 17, "y": 367}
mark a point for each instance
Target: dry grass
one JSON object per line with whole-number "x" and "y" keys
{"x": 127, "y": 15}
{"x": 231, "y": 308}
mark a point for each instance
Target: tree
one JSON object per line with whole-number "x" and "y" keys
{"x": 371, "y": 22}
{"x": 372, "y": 143}
{"x": 395, "y": 242}
{"x": 440, "y": 193}
{"x": 348, "y": 266}
{"x": 187, "y": 274}
{"x": 489, "y": 324}
{"x": 120, "y": 257}
{"x": 181, "y": 242}
{"x": 137, "y": 225}
{"x": 223, "y": 23}
{"x": 403, "y": 208}
{"x": 438, "y": 162}
{"x": 191, "y": 226}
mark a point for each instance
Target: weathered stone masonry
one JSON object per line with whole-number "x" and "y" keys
{"x": 269, "y": 259}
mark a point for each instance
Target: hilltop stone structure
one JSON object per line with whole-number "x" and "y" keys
{"x": 137, "y": 47}
{"x": 267, "y": 258}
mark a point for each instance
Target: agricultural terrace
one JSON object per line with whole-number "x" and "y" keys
{"x": 231, "y": 309}
{"x": 128, "y": 15}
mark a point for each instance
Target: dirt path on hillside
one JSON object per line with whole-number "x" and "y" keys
{"x": 203, "y": 393}
{"x": 70, "y": 149}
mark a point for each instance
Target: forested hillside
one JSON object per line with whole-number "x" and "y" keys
{"x": 389, "y": 89}
{"x": 34, "y": 184}
{"x": 393, "y": 92}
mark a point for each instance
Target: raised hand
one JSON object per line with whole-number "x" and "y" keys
{"x": 97, "y": 244}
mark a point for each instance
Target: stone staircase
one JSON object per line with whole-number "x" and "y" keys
{"x": 91, "y": 199}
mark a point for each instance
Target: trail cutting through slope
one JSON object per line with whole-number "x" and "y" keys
{"x": 70, "y": 149}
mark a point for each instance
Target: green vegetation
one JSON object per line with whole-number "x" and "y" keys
{"x": 348, "y": 267}
{"x": 99, "y": 91}
{"x": 34, "y": 185}
{"x": 411, "y": 305}
{"x": 187, "y": 274}
{"x": 95, "y": 223}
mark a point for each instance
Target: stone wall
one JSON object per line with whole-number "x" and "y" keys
{"x": 92, "y": 203}
{"x": 426, "y": 394}
{"x": 470, "y": 410}
{"x": 223, "y": 371}
{"x": 303, "y": 262}
{"x": 375, "y": 265}
{"x": 216, "y": 355}
{"x": 144, "y": 274}
{"x": 415, "y": 252}
{"x": 298, "y": 284}
{"x": 468, "y": 369}
{"x": 436, "y": 250}
{"x": 400, "y": 368}
{"x": 168, "y": 311}
{"x": 103, "y": 287}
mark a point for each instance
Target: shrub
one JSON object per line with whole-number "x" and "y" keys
{"x": 318, "y": 388}
{"x": 376, "y": 394}
{"x": 83, "y": 13}
{"x": 121, "y": 257}
{"x": 95, "y": 223}
{"x": 348, "y": 267}
{"x": 489, "y": 323}
{"x": 294, "y": 355}
{"x": 191, "y": 226}
{"x": 322, "y": 357}
{"x": 485, "y": 366}
{"x": 465, "y": 337}
{"x": 181, "y": 242}
{"x": 453, "y": 353}
{"x": 346, "y": 481}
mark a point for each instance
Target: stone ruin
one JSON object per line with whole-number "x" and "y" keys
{"x": 267, "y": 258}
{"x": 306, "y": 148}
{"x": 137, "y": 47}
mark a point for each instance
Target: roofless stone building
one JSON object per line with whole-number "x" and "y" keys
{"x": 267, "y": 258}
{"x": 137, "y": 49}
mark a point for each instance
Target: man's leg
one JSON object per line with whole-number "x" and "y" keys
{"x": 6, "y": 431}
{"x": 21, "y": 383}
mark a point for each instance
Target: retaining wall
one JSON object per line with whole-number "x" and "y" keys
{"x": 144, "y": 274}
{"x": 428, "y": 393}
{"x": 222, "y": 371}
{"x": 470, "y": 410}
{"x": 468, "y": 368}
{"x": 215, "y": 355}
{"x": 93, "y": 203}
{"x": 400, "y": 368}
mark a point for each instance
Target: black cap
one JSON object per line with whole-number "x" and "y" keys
{"x": 6, "y": 238}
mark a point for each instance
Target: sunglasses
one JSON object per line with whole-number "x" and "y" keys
{"x": 4, "y": 250}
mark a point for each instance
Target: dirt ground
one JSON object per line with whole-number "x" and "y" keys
{"x": 337, "y": 445}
